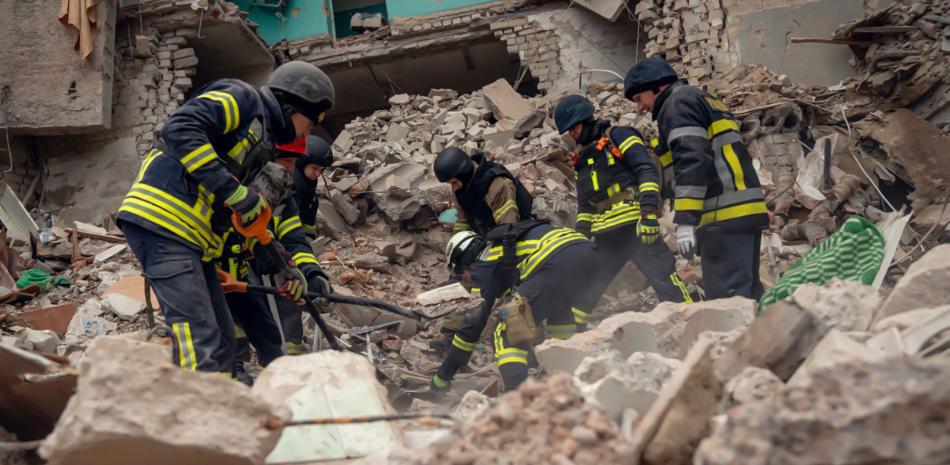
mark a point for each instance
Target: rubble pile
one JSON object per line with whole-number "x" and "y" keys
{"x": 689, "y": 34}
{"x": 544, "y": 421}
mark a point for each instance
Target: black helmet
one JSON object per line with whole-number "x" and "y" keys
{"x": 453, "y": 163}
{"x": 571, "y": 110}
{"x": 318, "y": 153}
{"x": 304, "y": 88}
{"x": 648, "y": 75}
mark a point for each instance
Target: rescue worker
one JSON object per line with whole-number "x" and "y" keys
{"x": 618, "y": 200}
{"x": 720, "y": 208}
{"x": 486, "y": 193}
{"x": 309, "y": 168}
{"x": 191, "y": 183}
{"x": 255, "y": 314}
{"x": 541, "y": 270}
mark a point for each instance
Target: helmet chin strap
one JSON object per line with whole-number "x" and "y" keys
{"x": 587, "y": 133}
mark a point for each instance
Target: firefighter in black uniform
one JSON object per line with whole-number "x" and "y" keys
{"x": 618, "y": 199}
{"x": 254, "y": 313}
{"x": 317, "y": 157}
{"x": 720, "y": 208}
{"x": 486, "y": 193}
{"x": 193, "y": 180}
{"x": 541, "y": 271}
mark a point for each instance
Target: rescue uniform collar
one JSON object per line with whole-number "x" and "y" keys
{"x": 663, "y": 96}
{"x": 596, "y": 131}
{"x": 279, "y": 125}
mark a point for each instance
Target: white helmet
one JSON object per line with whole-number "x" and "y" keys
{"x": 460, "y": 243}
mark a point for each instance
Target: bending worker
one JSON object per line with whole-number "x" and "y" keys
{"x": 541, "y": 271}
{"x": 309, "y": 168}
{"x": 720, "y": 208}
{"x": 618, "y": 200}
{"x": 486, "y": 193}
{"x": 193, "y": 180}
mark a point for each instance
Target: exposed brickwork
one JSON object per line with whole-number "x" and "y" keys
{"x": 537, "y": 47}
{"x": 690, "y": 34}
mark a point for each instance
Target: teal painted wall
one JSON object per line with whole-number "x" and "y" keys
{"x": 403, "y": 8}
{"x": 303, "y": 19}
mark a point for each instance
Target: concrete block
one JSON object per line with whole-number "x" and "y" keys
{"x": 751, "y": 385}
{"x": 843, "y": 305}
{"x": 124, "y": 307}
{"x": 328, "y": 384}
{"x": 836, "y": 348}
{"x": 187, "y": 62}
{"x": 396, "y": 133}
{"x": 615, "y": 384}
{"x": 926, "y": 284}
{"x": 167, "y": 414}
{"x": 183, "y": 53}
{"x": 504, "y": 101}
{"x": 44, "y": 341}
{"x": 442, "y": 294}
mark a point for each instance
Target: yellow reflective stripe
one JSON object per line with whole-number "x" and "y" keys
{"x": 240, "y": 150}
{"x": 654, "y": 142}
{"x": 525, "y": 247}
{"x": 504, "y": 209}
{"x": 462, "y": 344}
{"x": 181, "y": 346}
{"x": 560, "y": 331}
{"x": 198, "y": 157}
{"x": 666, "y": 159}
{"x": 580, "y": 316}
{"x": 458, "y": 227}
{"x": 613, "y": 190}
{"x": 687, "y": 204}
{"x": 675, "y": 279}
{"x": 191, "y": 346}
{"x": 232, "y": 117}
{"x": 593, "y": 174}
{"x": 730, "y": 155}
{"x": 617, "y": 217}
{"x": 288, "y": 225}
{"x": 146, "y": 162}
{"x": 181, "y": 210}
{"x": 585, "y": 216}
{"x": 610, "y": 160}
{"x": 161, "y": 218}
{"x": 649, "y": 186}
{"x": 629, "y": 142}
{"x": 722, "y": 125}
{"x": 558, "y": 238}
{"x": 305, "y": 257}
{"x": 475, "y": 290}
{"x": 511, "y": 355}
{"x": 736, "y": 211}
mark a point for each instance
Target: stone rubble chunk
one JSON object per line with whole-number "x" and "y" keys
{"x": 926, "y": 284}
{"x": 615, "y": 384}
{"x": 473, "y": 403}
{"x": 751, "y": 385}
{"x": 843, "y": 305}
{"x": 835, "y": 348}
{"x": 859, "y": 412}
{"x": 445, "y": 293}
{"x": 505, "y": 102}
{"x": 44, "y": 341}
{"x": 166, "y": 414}
{"x": 124, "y": 307}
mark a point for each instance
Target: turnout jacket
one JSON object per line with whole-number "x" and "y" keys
{"x": 616, "y": 178}
{"x": 714, "y": 181}
{"x": 493, "y": 196}
{"x": 215, "y": 141}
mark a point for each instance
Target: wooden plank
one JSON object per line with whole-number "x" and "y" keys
{"x": 101, "y": 237}
{"x": 884, "y": 29}
{"x": 819, "y": 40}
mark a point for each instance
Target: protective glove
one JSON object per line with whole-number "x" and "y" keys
{"x": 292, "y": 283}
{"x": 319, "y": 285}
{"x": 686, "y": 240}
{"x": 247, "y": 203}
{"x": 648, "y": 228}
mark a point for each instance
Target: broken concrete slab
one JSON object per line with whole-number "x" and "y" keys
{"x": 132, "y": 287}
{"x": 109, "y": 253}
{"x": 565, "y": 355}
{"x": 20, "y": 225}
{"x": 679, "y": 418}
{"x": 858, "y": 412}
{"x": 903, "y": 321}
{"x": 834, "y": 349}
{"x": 124, "y": 307}
{"x": 43, "y": 341}
{"x": 396, "y": 133}
{"x": 615, "y": 384}
{"x": 917, "y": 338}
{"x": 473, "y": 403}
{"x": 33, "y": 392}
{"x": 505, "y": 102}
{"x": 86, "y": 325}
{"x": 442, "y": 294}
{"x": 328, "y": 384}
{"x": 843, "y": 305}
{"x": 750, "y": 385}
{"x": 151, "y": 428}
{"x": 926, "y": 284}
{"x": 779, "y": 339}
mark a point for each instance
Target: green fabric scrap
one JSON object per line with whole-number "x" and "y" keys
{"x": 852, "y": 253}
{"x": 39, "y": 277}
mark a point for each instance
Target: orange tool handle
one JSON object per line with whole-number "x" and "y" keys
{"x": 230, "y": 283}
{"x": 257, "y": 228}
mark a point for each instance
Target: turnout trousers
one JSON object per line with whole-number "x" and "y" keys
{"x": 616, "y": 247}
{"x": 191, "y": 300}
{"x": 730, "y": 263}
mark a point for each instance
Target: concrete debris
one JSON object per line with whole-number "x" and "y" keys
{"x": 615, "y": 385}
{"x": 858, "y": 413}
{"x": 11, "y": 457}
{"x": 445, "y": 293}
{"x": 926, "y": 284}
{"x": 505, "y": 102}
{"x": 44, "y": 341}
{"x": 835, "y": 348}
{"x": 544, "y": 421}
{"x": 150, "y": 427}
{"x": 750, "y": 385}
{"x": 843, "y": 305}
{"x": 472, "y": 405}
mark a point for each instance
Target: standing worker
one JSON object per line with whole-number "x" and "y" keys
{"x": 486, "y": 193}
{"x": 720, "y": 208}
{"x": 618, "y": 200}
{"x": 192, "y": 183}
{"x": 317, "y": 157}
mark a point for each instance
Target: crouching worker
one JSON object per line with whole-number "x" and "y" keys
{"x": 539, "y": 271}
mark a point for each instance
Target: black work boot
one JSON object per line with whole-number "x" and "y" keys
{"x": 240, "y": 374}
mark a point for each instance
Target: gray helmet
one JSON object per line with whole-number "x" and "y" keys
{"x": 304, "y": 87}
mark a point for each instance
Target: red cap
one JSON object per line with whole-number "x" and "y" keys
{"x": 297, "y": 146}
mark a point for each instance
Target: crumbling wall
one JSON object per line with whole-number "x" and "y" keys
{"x": 45, "y": 85}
